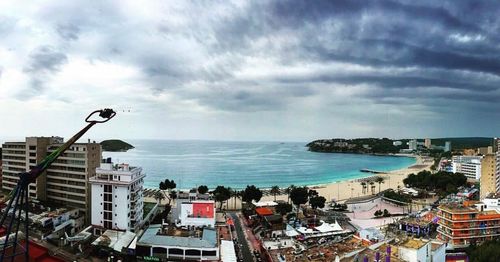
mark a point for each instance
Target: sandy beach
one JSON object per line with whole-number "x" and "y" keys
{"x": 343, "y": 190}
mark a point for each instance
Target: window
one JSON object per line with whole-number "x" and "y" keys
{"x": 107, "y": 197}
{"x": 108, "y": 215}
{"x": 108, "y": 224}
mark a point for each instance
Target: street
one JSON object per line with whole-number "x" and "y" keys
{"x": 245, "y": 249}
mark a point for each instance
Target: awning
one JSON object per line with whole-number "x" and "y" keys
{"x": 264, "y": 211}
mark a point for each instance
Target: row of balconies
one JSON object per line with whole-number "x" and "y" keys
{"x": 469, "y": 234}
{"x": 469, "y": 225}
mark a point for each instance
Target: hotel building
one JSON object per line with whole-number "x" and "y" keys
{"x": 461, "y": 224}
{"x": 497, "y": 168}
{"x": 117, "y": 200}
{"x": 65, "y": 182}
{"x": 470, "y": 166}
{"x": 488, "y": 179}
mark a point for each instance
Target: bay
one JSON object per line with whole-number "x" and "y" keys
{"x": 192, "y": 163}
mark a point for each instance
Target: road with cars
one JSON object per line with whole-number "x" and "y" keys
{"x": 242, "y": 241}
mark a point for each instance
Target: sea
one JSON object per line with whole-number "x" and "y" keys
{"x": 238, "y": 164}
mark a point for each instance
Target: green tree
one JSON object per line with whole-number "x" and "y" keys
{"x": 364, "y": 187}
{"x": 283, "y": 208}
{"x": 379, "y": 180}
{"x": 489, "y": 251}
{"x": 275, "y": 190}
{"x": 288, "y": 190}
{"x": 372, "y": 187}
{"x": 386, "y": 213}
{"x": 378, "y": 213}
{"x": 171, "y": 196}
{"x": 442, "y": 182}
{"x": 221, "y": 194}
{"x": 167, "y": 185}
{"x": 202, "y": 189}
{"x": 236, "y": 194}
{"x": 159, "y": 196}
{"x": 251, "y": 193}
{"x": 317, "y": 201}
{"x": 299, "y": 196}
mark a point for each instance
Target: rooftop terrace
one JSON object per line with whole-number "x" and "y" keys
{"x": 152, "y": 236}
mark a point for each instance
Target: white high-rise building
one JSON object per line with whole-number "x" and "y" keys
{"x": 412, "y": 144}
{"x": 117, "y": 200}
{"x": 447, "y": 146}
{"x": 470, "y": 166}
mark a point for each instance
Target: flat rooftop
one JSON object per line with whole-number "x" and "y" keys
{"x": 413, "y": 243}
{"x": 152, "y": 237}
{"x": 457, "y": 208}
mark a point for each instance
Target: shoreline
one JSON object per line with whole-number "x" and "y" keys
{"x": 345, "y": 189}
{"x": 362, "y": 175}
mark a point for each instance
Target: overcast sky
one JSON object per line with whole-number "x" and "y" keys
{"x": 260, "y": 70}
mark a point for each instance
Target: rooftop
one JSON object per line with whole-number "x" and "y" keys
{"x": 264, "y": 211}
{"x": 152, "y": 236}
{"x": 413, "y": 243}
{"x": 116, "y": 240}
{"x": 457, "y": 208}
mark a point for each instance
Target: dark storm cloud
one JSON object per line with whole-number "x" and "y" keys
{"x": 43, "y": 61}
{"x": 399, "y": 45}
{"x": 382, "y": 35}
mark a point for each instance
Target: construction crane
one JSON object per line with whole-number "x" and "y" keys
{"x": 18, "y": 197}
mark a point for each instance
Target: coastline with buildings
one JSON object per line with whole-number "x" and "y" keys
{"x": 121, "y": 217}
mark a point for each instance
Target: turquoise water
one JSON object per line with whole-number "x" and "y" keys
{"x": 238, "y": 164}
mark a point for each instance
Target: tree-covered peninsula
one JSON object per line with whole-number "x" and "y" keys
{"x": 115, "y": 145}
{"x": 358, "y": 145}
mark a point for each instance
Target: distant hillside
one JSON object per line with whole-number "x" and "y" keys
{"x": 358, "y": 146}
{"x": 115, "y": 145}
{"x": 458, "y": 143}
{"x": 385, "y": 145}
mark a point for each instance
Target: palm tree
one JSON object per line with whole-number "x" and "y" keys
{"x": 372, "y": 186}
{"x": 234, "y": 194}
{"x": 172, "y": 195}
{"x": 363, "y": 184}
{"x": 237, "y": 195}
{"x": 288, "y": 190}
{"x": 275, "y": 190}
{"x": 159, "y": 196}
{"x": 379, "y": 180}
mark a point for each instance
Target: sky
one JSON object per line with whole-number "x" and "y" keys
{"x": 251, "y": 70}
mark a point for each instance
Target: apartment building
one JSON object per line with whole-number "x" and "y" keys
{"x": 488, "y": 179}
{"x": 427, "y": 143}
{"x": 117, "y": 197}
{"x": 497, "y": 168}
{"x": 65, "y": 182}
{"x": 470, "y": 166}
{"x": 461, "y": 224}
